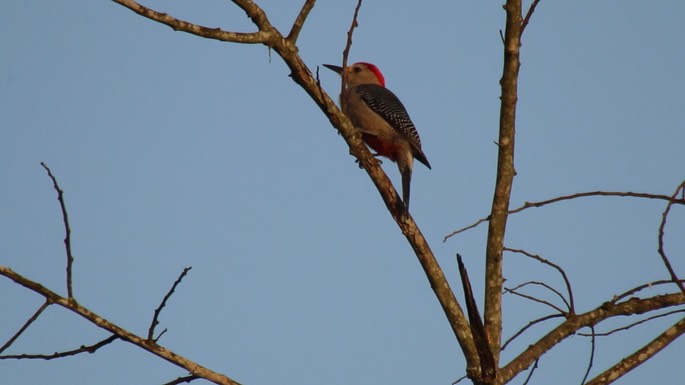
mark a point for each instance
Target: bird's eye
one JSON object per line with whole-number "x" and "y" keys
{"x": 357, "y": 69}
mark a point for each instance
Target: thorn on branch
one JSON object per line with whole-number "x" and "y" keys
{"x": 67, "y": 229}
{"x": 155, "y": 318}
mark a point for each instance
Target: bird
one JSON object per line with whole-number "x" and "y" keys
{"x": 382, "y": 119}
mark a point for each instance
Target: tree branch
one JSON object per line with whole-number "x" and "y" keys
{"x": 662, "y": 227}
{"x": 83, "y": 349}
{"x": 561, "y": 271}
{"x": 67, "y": 229}
{"x": 528, "y": 205}
{"x": 505, "y": 178}
{"x": 640, "y": 356}
{"x": 259, "y": 37}
{"x": 576, "y": 322}
{"x": 26, "y": 325}
{"x": 153, "y": 324}
{"x": 120, "y": 332}
{"x": 299, "y": 21}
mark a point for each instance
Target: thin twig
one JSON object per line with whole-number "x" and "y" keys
{"x": 531, "y": 323}
{"x": 529, "y": 15}
{"x": 299, "y": 21}
{"x": 623, "y": 328}
{"x": 514, "y": 291}
{"x": 83, "y": 349}
{"x": 637, "y": 289}
{"x": 26, "y": 325}
{"x": 662, "y": 228}
{"x": 346, "y": 54}
{"x": 561, "y": 271}
{"x": 530, "y": 374}
{"x": 155, "y": 321}
{"x": 592, "y": 355}
{"x": 528, "y": 205}
{"x": 67, "y": 229}
{"x": 460, "y": 379}
{"x": 181, "y": 380}
{"x": 125, "y": 335}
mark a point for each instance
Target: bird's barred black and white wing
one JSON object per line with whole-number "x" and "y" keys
{"x": 389, "y": 107}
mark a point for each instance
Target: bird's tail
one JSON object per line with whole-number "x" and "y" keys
{"x": 406, "y": 185}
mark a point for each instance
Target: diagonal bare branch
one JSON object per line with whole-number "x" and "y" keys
{"x": 575, "y": 322}
{"x": 155, "y": 321}
{"x": 529, "y": 14}
{"x": 67, "y": 229}
{"x": 640, "y": 356}
{"x": 25, "y": 326}
{"x": 299, "y": 21}
{"x": 143, "y": 343}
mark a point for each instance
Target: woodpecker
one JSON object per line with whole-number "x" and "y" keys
{"x": 382, "y": 119}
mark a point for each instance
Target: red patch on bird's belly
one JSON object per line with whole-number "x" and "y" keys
{"x": 382, "y": 147}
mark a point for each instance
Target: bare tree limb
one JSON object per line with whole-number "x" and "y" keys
{"x": 259, "y": 37}
{"x": 26, "y": 325}
{"x": 526, "y": 20}
{"x": 83, "y": 349}
{"x": 505, "y": 178}
{"x": 67, "y": 230}
{"x": 118, "y": 331}
{"x": 629, "y": 326}
{"x": 640, "y": 356}
{"x": 662, "y": 227}
{"x": 515, "y": 291}
{"x": 155, "y": 321}
{"x": 570, "y": 303}
{"x": 637, "y": 289}
{"x": 299, "y": 21}
{"x": 575, "y": 322}
{"x": 528, "y": 205}
{"x": 531, "y": 323}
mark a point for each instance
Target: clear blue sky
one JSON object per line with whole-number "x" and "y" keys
{"x": 176, "y": 151}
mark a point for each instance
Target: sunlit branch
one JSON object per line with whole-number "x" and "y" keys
{"x": 259, "y": 37}
{"x": 640, "y": 356}
{"x": 116, "y": 330}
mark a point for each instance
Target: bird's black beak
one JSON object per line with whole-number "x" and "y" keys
{"x": 333, "y": 68}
